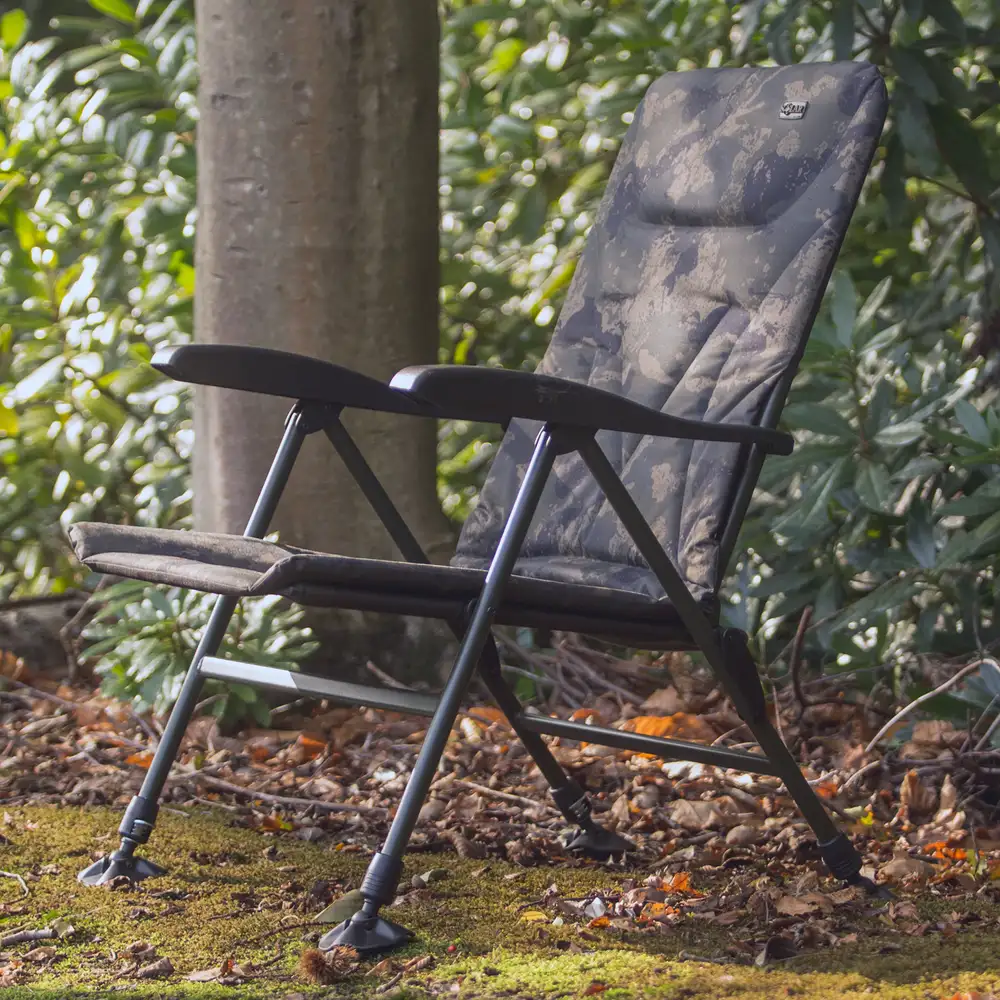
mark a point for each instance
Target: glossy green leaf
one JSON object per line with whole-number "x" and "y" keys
{"x": 13, "y": 26}
{"x": 920, "y": 536}
{"x": 962, "y": 150}
{"x": 898, "y": 435}
{"x": 948, "y": 16}
{"x": 910, "y": 64}
{"x": 915, "y": 129}
{"x": 872, "y": 485}
{"x": 820, "y": 420}
{"x": 844, "y": 306}
{"x": 972, "y": 422}
{"x": 120, "y": 10}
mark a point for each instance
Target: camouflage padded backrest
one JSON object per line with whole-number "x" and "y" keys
{"x": 694, "y": 295}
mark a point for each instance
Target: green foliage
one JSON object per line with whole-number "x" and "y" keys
{"x": 96, "y": 253}
{"x": 886, "y": 518}
{"x": 143, "y": 639}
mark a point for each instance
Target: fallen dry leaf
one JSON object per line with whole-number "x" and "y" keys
{"x": 695, "y": 815}
{"x": 40, "y": 955}
{"x": 903, "y": 867}
{"x": 917, "y": 796}
{"x": 418, "y": 963}
{"x": 681, "y": 882}
{"x": 156, "y": 970}
{"x": 665, "y": 701}
{"x": 810, "y": 902}
{"x": 743, "y": 835}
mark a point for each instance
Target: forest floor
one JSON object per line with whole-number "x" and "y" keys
{"x": 237, "y": 912}
{"x": 264, "y": 830}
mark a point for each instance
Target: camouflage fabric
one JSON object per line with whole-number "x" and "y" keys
{"x": 694, "y": 295}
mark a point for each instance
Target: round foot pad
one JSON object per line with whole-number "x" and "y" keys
{"x": 596, "y": 842}
{"x": 107, "y": 868}
{"x": 366, "y": 935}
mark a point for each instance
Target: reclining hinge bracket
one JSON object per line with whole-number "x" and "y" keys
{"x": 314, "y": 416}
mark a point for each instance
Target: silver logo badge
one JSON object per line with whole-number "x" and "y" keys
{"x": 792, "y": 110}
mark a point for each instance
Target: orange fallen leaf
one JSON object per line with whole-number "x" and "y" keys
{"x": 681, "y": 882}
{"x": 594, "y": 988}
{"x": 488, "y": 714}
{"x": 599, "y": 922}
{"x": 940, "y": 849}
{"x": 141, "y": 759}
{"x": 312, "y": 746}
{"x": 679, "y": 726}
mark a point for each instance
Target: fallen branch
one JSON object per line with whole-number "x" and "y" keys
{"x": 278, "y": 800}
{"x": 45, "y": 934}
{"x": 44, "y": 695}
{"x": 917, "y": 702}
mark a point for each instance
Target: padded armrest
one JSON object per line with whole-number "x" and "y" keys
{"x": 279, "y": 373}
{"x": 496, "y": 395}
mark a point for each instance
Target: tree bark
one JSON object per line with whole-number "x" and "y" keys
{"x": 318, "y": 233}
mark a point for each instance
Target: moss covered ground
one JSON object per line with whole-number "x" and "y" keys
{"x": 238, "y": 894}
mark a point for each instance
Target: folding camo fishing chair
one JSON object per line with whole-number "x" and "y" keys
{"x": 640, "y": 438}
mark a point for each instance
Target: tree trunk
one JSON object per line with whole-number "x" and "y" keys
{"x": 318, "y": 233}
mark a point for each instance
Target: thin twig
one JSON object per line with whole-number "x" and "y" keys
{"x": 727, "y": 734}
{"x": 578, "y": 664}
{"x": 386, "y": 679}
{"x": 205, "y": 702}
{"x": 777, "y": 714}
{"x": 916, "y": 703}
{"x": 520, "y": 800}
{"x": 795, "y": 658}
{"x": 859, "y": 774}
{"x": 279, "y": 800}
{"x": 145, "y": 727}
{"x": 69, "y": 633}
{"x": 44, "y": 695}
{"x": 16, "y": 603}
{"x": 24, "y": 885}
{"x": 243, "y": 943}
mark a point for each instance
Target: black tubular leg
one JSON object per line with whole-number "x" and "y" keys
{"x": 137, "y": 823}
{"x": 570, "y": 798}
{"x": 728, "y": 655}
{"x": 366, "y": 931}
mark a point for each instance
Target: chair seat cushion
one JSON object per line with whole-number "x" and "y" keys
{"x": 244, "y": 567}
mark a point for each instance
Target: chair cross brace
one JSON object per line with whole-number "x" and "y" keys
{"x": 725, "y": 649}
